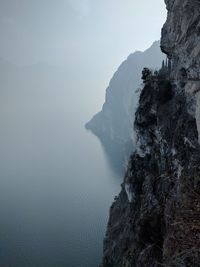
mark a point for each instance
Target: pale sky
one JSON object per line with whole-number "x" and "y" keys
{"x": 72, "y": 30}
{"x": 89, "y": 37}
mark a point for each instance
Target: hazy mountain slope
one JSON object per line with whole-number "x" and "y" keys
{"x": 114, "y": 123}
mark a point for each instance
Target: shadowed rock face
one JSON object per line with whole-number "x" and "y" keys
{"x": 181, "y": 36}
{"x": 113, "y": 125}
{"x": 155, "y": 219}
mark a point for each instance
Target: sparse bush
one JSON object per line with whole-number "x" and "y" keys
{"x": 146, "y": 74}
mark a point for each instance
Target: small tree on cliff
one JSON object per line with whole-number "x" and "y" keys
{"x": 163, "y": 64}
{"x": 146, "y": 74}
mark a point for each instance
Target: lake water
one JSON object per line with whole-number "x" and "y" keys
{"x": 55, "y": 184}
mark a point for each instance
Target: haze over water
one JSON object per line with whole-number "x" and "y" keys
{"x": 56, "y": 186}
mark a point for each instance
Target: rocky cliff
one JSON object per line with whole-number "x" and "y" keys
{"x": 155, "y": 219}
{"x": 113, "y": 125}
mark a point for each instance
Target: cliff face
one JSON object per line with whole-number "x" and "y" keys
{"x": 155, "y": 219}
{"x": 113, "y": 125}
{"x": 181, "y": 36}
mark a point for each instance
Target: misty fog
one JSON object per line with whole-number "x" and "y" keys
{"x": 53, "y": 199}
{"x": 56, "y": 186}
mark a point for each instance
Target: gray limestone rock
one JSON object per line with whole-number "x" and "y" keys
{"x": 155, "y": 219}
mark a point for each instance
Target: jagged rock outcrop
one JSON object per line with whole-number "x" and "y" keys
{"x": 155, "y": 219}
{"x": 113, "y": 125}
{"x": 181, "y": 37}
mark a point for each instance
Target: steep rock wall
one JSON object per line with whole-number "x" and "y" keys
{"x": 155, "y": 219}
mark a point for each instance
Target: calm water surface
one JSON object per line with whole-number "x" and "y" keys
{"x": 55, "y": 184}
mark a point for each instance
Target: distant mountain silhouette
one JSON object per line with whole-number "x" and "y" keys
{"x": 113, "y": 125}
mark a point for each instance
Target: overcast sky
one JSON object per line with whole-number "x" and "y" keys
{"x": 68, "y": 30}
{"x": 89, "y": 37}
